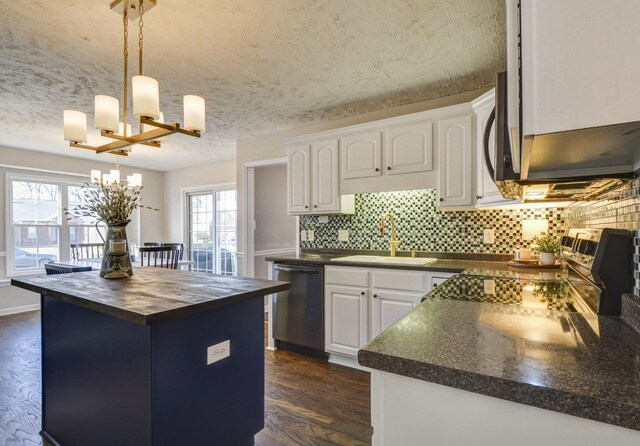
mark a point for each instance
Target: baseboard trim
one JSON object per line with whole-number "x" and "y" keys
{"x": 16, "y": 310}
{"x": 347, "y": 361}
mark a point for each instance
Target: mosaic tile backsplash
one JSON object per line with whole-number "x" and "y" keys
{"x": 425, "y": 228}
{"x": 619, "y": 209}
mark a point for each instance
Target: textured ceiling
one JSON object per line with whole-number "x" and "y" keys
{"x": 262, "y": 65}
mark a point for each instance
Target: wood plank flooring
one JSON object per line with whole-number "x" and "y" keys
{"x": 307, "y": 401}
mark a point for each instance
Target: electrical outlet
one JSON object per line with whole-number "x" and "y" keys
{"x": 489, "y": 237}
{"x": 343, "y": 235}
{"x": 490, "y": 286}
{"x": 219, "y": 351}
{"x": 311, "y": 236}
{"x": 303, "y": 236}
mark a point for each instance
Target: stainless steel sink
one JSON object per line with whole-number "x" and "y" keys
{"x": 417, "y": 261}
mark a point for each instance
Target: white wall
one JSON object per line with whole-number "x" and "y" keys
{"x": 271, "y": 146}
{"x": 275, "y": 229}
{"x": 175, "y": 183}
{"x": 147, "y": 224}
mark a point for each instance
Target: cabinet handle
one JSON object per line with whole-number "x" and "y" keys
{"x": 377, "y": 170}
{"x": 375, "y": 295}
{"x": 441, "y": 199}
{"x": 388, "y": 167}
{"x": 478, "y": 197}
{"x": 362, "y": 293}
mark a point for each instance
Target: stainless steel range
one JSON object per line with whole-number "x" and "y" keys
{"x": 597, "y": 272}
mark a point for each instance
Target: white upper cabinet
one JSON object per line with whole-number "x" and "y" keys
{"x": 409, "y": 148}
{"x": 299, "y": 178}
{"x": 580, "y": 64}
{"x": 455, "y": 145}
{"x": 324, "y": 176}
{"x": 313, "y": 183}
{"x": 361, "y": 155}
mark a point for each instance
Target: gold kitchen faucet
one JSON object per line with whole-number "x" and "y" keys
{"x": 393, "y": 243}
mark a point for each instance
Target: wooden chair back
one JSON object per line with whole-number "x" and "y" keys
{"x": 81, "y": 251}
{"x": 180, "y": 245}
{"x": 159, "y": 256}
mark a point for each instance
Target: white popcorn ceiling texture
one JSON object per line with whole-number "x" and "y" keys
{"x": 262, "y": 65}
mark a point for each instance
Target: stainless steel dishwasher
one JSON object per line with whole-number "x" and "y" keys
{"x": 298, "y": 313}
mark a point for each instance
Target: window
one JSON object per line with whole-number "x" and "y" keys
{"x": 211, "y": 227}
{"x": 39, "y": 230}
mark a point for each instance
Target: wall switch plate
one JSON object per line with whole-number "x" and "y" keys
{"x": 311, "y": 236}
{"x": 303, "y": 236}
{"x": 323, "y": 219}
{"x": 490, "y": 286}
{"x": 343, "y": 235}
{"x": 219, "y": 351}
{"x": 489, "y": 237}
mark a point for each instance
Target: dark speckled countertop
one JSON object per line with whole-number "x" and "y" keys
{"x": 579, "y": 364}
{"x": 151, "y": 295}
{"x": 447, "y": 262}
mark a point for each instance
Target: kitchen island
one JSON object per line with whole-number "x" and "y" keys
{"x": 143, "y": 361}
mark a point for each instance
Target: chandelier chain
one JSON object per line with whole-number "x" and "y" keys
{"x": 125, "y": 22}
{"x": 140, "y": 34}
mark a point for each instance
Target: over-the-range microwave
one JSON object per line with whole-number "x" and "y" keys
{"x": 574, "y": 165}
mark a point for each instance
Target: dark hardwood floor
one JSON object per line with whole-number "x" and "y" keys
{"x": 307, "y": 401}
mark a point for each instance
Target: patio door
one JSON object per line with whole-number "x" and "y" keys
{"x": 211, "y": 223}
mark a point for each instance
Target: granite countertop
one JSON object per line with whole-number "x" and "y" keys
{"x": 151, "y": 295}
{"x": 447, "y": 262}
{"x": 579, "y": 364}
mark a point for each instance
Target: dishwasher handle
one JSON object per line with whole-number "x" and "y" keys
{"x": 295, "y": 270}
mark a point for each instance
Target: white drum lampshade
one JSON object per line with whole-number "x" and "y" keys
{"x": 114, "y": 176}
{"x": 134, "y": 180}
{"x": 120, "y": 129}
{"x": 194, "y": 113}
{"x": 75, "y": 126}
{"x": 146, "y": 97}
{"x": 107, "y": 113}
{"x": 96, "y": 176}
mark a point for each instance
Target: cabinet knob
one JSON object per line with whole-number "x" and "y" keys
{"x": 377, "y": 170}
{"x": 435, "y": 285}
{"x": 315, "y": 205}
{"x": 388, "y": 167}
{"x": 362, "y": 293}
{"x": 306, "y": 206}
{"x": 375, "y": 295}
{"x": 478, "y": 197}
{"x": 441, "y": 199}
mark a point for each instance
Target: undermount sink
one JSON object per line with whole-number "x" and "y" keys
{"x": 387, "y": 260}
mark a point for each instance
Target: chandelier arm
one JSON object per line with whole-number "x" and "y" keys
{"x": 84, "y": 146}
{"x": 128, "y": 138}
{"x": 174, "y": 128}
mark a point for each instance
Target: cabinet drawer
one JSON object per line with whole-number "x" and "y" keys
{"x": 400, "y": 280}
{"x": 348, "y": 276}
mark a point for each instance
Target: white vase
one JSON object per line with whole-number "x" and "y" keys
{"x": 547, "y": 258}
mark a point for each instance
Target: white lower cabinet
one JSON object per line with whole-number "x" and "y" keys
{"x": 360, "y": 303}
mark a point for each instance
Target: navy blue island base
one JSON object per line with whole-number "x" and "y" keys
{"x": 107, "y": 380}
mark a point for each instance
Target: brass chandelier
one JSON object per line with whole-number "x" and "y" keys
{"x": 146, "y": 102}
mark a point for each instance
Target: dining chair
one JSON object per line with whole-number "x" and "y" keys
{"x": 56, "y": 268}
{"x": 159, "y": 256}
{"x": 81, "y": 251}
{"x": 181, "y": 245}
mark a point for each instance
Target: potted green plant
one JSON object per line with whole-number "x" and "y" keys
{"x": 548, "y": 247}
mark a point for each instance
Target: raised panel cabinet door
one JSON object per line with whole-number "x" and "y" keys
{"x": 324, "y": 176}
{"x": 455, "y": 145}
{"x": 298, "y": 179}
{"x": 409, "y": 148}
{"x": 389, "y": 307}
{"x": 346, "y": 319}
{"x": 361, "y": 154}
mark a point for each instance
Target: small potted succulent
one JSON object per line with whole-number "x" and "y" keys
{"x": 548, "y": 247}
